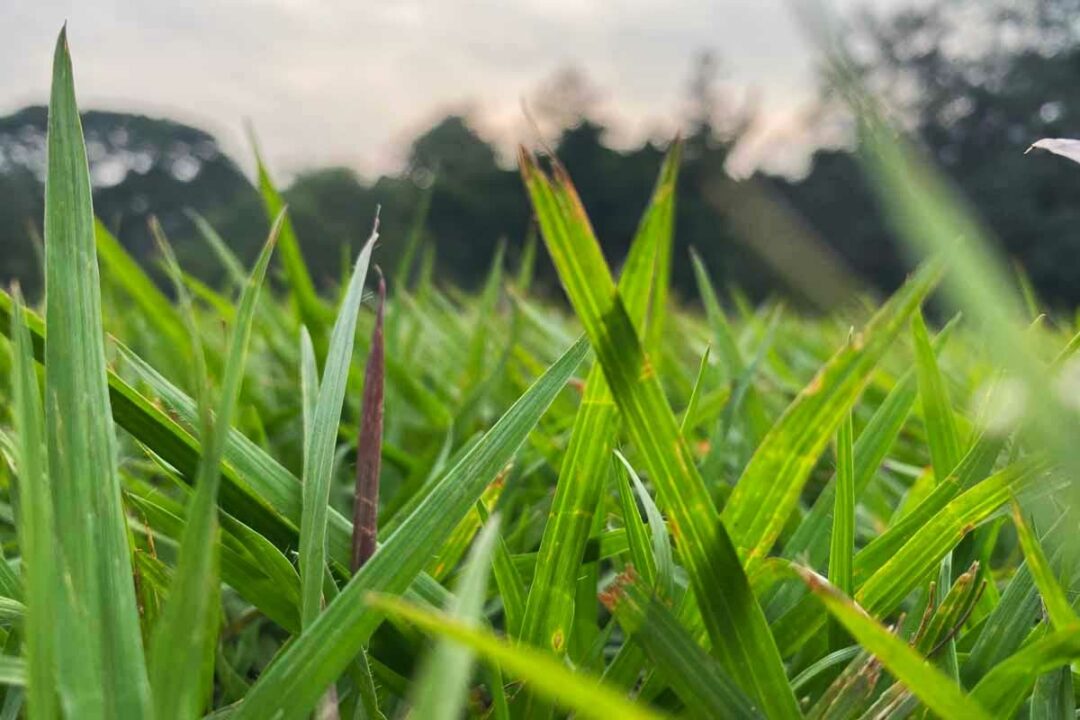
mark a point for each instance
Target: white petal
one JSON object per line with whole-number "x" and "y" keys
{"x": 1060, "y": 146}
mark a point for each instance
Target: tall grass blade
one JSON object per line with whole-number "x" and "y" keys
{"x": 941, "y": 432}
{"x": 549, "y": 609}
{"x": 320, "y": 442}
{"x": 740, "y": 637}
{"x": 101, "y": 667}
{"x": 842, "y": 547}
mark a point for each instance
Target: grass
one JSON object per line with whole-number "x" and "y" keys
{"x": 627, "y": 508}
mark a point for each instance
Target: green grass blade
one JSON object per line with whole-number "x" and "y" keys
{"x": 260, "y": 574}
{"x": 870, "y": 449}
{"x": 659, "y": 222}
{"x": 13, "y": 671}
{"x": 695, "y": 676}
{"x": 1005, "y": 629}
{"x": 661, "y": 543}
{"x": 543, "y": 674}
{"x": 186, "y": 630}
{"x": 1008, "y": 683}
{"x": 1053, "y": 697}
{"x": 549, "y": 609}
{"x": 736, "y": 624}
{"x": 291, "y": 686}
{"x": 102, "y": 670}
{"x": 442, "y": 687}
{"x": 769, "y": 488}
{"x": 939, "y": 693}
{"x": 508, "y": 580}
{"x": 695, "y": 393}
{"x": 842, "y": 547}
{"x": 309, "y": 381}
{"x": 34, "y": 525}
{"x": 937, "y": 410}
{"x": 1058, "y": 607}
{"x": 322, "y": 438}
{"x": 972, "y": 469}
{"x": 642, "y": 556}
{"x": 233, "y": 268}
{"x": 904, "y": 569}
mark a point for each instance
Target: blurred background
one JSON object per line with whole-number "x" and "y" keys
{"x": 418, "y": 106}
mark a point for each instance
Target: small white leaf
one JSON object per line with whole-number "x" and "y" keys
{"x": 1059, "y": 146}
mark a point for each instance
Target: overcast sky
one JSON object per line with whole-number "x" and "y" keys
{"x": 347, "y": 82}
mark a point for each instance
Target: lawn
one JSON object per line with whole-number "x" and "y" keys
{"x": 259, "y": 501}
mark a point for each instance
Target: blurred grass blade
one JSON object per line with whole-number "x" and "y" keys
{"x": 219, "y": 247}
{"x": 728, "y": 348}
{"x": 13, "y": 671}
{"x": 101, "y": 667}
{"x": 442, "y": 687}
{"x": 695, "y": 676}
{"x": 186, "y": 630}
{"x": 737, "y": 628}
{"x": 292, "y": 685}
{"x": 937, "y": 410}
{"x": 926, "y": 682}
{"x": 369, "y": 445}
{"x": 321, "y": 440}
{"x": 312, "y": 311}
{"x": 541, "y": 672}
{"x": 34, "y": 523}
{"x": 659, "y": 222}
{"x": 156, "y": 308}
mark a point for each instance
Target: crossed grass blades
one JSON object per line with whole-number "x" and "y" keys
{"x": 848, "y": 516}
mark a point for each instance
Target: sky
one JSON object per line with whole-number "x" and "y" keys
{"x": 338, "y": 82}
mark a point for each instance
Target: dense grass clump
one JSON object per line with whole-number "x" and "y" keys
{"x": 633, "y": 509}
